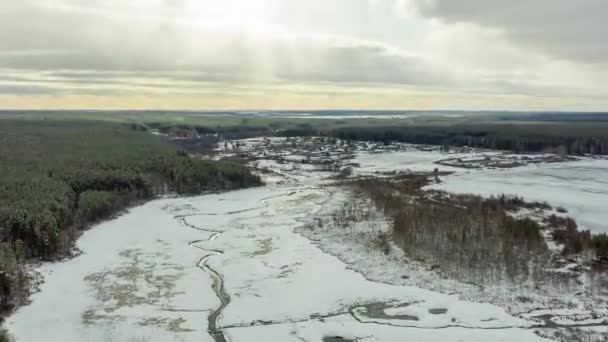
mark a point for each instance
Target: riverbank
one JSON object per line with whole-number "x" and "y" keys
{"x": 268, "y": 263}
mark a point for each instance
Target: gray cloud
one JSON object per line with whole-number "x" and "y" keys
{"x": 364, "y": 64}
{"x": 28, "y": 89}
{"x": 569, "y": 29}
{"x": 77, "y": 47}
{"x": 88, "y": 45}
{"x": 358, "y": 64}
{"x": 105, "y": 47}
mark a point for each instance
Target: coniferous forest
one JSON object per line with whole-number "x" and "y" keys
{"x": 576, "y": 139}
{"x": 58, "y": 177}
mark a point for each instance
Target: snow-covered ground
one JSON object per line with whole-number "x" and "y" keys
{"x": 581, "y": 187}
{"x": 136, "y": 280}
{"x": 239, "y": 264}
{"x": 554, "y": 305}
{"x": 410, "y": 159}
{"x": 144, "y": 277}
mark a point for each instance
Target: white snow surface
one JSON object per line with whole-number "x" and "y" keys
{"x": 273, "y": 276}
{"x": 579, "y": 186}
{"x": 139, "y": 279}
{"x": 412, "y": 159}
{"x": 108, "y": 292}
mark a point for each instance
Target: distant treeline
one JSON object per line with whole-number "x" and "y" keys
{"x": 555, "y": 117}
{"x": 58, "y": 177}
{"x": 227, "y": 132}
{"x": 574, "y": 139}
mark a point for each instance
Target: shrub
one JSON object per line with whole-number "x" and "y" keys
{"x": 4, "y": 336}
{"x": 566, "y": 232}
{"x": 467, "y": 236}
{"x": 95, "y": 205}
{"x": 600, "y": 245}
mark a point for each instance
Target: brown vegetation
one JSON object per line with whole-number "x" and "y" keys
{"x": 476, "y": 238}
{"x": 473, "y": 238}
{"x": 565, "y": 232}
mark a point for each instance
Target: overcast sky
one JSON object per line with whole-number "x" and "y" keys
{"x": 271, "y": 54}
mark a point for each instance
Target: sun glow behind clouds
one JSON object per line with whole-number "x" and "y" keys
{"x": 246, "y": 16}
{"x": 294, "y": 53}
{"x": 250, "y": 17}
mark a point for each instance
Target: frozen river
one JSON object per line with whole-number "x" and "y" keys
{"x": 231, "y": 267}
{"x": 173, "y": 269}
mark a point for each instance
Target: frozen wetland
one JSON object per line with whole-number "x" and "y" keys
{"x": 238, "y": 266}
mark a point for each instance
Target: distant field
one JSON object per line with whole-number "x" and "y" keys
{"x": 320, "y": 118}
{"x": 560, "y": 132}
{"x": 227, "y": 118}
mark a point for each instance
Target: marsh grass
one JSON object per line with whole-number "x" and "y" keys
{"x": 475, "y": 239}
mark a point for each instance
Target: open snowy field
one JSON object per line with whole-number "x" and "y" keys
{"x": 581, "y": 187}
{"x": 411, "y": 159}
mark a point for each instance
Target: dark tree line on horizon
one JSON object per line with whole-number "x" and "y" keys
{"x": 574, "y": 139}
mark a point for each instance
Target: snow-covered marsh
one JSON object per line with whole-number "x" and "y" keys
{"x": 578, "y": 186}
{"x": 255, "y": 265}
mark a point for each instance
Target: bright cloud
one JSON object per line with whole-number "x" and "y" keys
{"x": 204, "y": 54}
